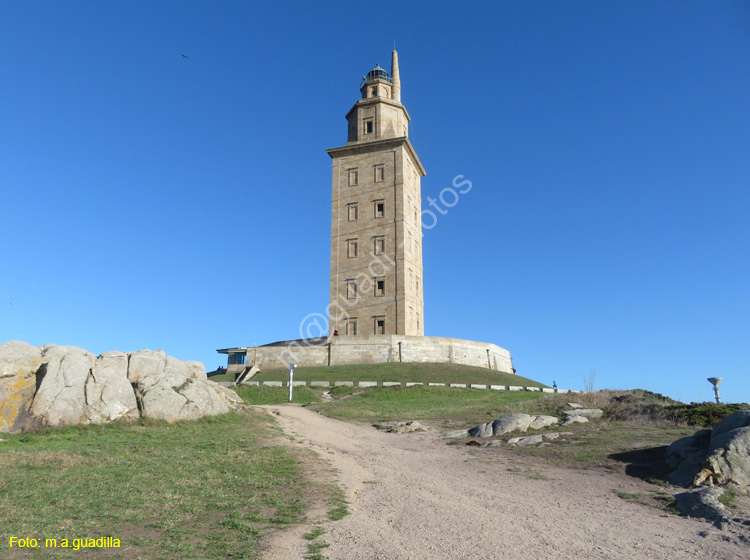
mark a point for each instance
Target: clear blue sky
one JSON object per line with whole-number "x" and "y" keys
{"x": 154, "y": 201}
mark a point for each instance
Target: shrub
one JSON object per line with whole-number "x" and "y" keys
{"x": 701, "y": 414}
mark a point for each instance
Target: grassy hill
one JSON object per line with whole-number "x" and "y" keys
{"x": 398, "y": 371}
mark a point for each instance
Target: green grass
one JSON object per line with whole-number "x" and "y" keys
{"x": 400, "y": 371}
{"x": 315, "y": 546}
{"x": 315, "y": 533}
{"x": 277, "y": 395}
{"x": 628, "y": 496}
{"x": 702, "y": 414}
{"x": 728, "y": 498}
{"x": 313, "y": 550}
{"x": 609, "y": 444}
{"x": 203, "y": 489}
{"x": 464, "y": 406}
{"x": 223, "y": 377}
{"x": 338, "y": 504}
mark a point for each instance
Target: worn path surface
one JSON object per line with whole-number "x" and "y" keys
{"x": 414, "y": 497}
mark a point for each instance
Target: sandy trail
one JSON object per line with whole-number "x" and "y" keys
{"x": 414, "y": 497}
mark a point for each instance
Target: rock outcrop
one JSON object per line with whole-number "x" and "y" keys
{"x": 19, "y": 362}
{"x": 56, "y": 386}
{"x": 717, "y": 456}
{"x": 511, "y": 423}
{"x": 703, "y": 503}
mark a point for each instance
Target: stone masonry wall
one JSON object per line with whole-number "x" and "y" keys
{"x": 342, "y": 350}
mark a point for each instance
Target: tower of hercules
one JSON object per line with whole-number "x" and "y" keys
{"x": 376, "y": 228}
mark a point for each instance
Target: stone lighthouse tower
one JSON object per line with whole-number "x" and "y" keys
{"x": 376, "y": 228}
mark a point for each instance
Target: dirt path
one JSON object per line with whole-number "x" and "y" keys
{"x": 414, "y": 497}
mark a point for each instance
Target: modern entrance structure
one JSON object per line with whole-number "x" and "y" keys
{"x": 376, "y": 311}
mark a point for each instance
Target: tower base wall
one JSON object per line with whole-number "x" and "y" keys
{"x": 374, "y": 349}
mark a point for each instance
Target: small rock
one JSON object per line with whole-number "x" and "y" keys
{"x": 483, "y": 430}
{"x": 526, "y": 440}
{"x": 456, "y": 434}
{"x": 593, "y": 412}
{"x": 574, "y": 420}
{"x": 702, "y": 503}
{"x": 543, "y": 422}
{"x": 574, "y": 405}
{"x": 406, "y": 427}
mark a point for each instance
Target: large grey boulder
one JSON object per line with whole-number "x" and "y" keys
{"x": 196, "y": 370}
{"x": 56, "y": 386}
{"x": 202, "y": 400}
{"x": 738, "y": 419}
{"x": 717, "y": 456}
{"x": 170, "y": 389}
{"x": 108, "y": 392}
{"x": 60, "y": 399}
{"x": 19, "y": 363}
{"x": 190, "y": 401}
{"x": 75, "y": 387}
{"x": 18, "y": 357}
{"x": 227, "y": 395}
{"x": 511, "y": 423}
{"x": 150, "y": 366}
{"x": 686, "y": 447}
{"x": 686, "y": 457}
{"x": 729, "y": 456}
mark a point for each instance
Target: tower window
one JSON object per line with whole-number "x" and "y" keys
{"x": 353, "y": 212}
{"x": 380, "y": 208}
{"x": 379, "y": 173}
{"x": 351, "y": 248}
{"x": 379, "y": 248}
{"x": 353, "y": 177}
{"x": 379, "y": 325}
{"x": 368, "y": 126}
{"x": 351, "y": 289}
{"x": 351, "y": 326}
{"x": 379, "y": 287}
{"x": 373, "y": 91}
